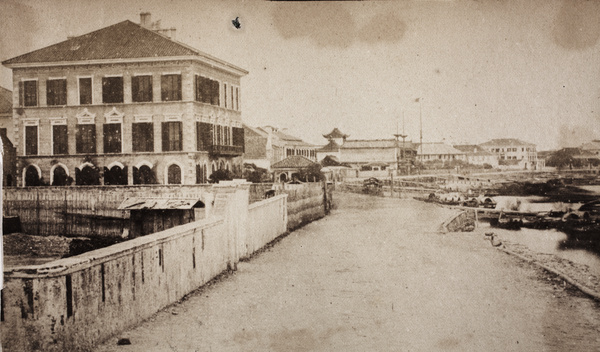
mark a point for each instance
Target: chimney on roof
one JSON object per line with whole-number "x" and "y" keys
{"x": 169, "y": 32}
{"x": 146, "y": 20}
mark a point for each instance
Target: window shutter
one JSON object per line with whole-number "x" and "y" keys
{"x": 21, "y": 93}
{"x": 165, "y": 136}
{"x": 180, "y": 140}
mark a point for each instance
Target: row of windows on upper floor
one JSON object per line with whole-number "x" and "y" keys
{"x": 142, "y": 138}
{"x": 206, "y": 91}
{"x": 309, "y": 153}
{"x": 502, "y": 150}
{"x": 514, "y": 157}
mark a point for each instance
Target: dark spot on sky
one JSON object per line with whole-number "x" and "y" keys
{"x": 577, "y": 25}
{"x": 437, "y": 70}
{"x": 236, "y": 23}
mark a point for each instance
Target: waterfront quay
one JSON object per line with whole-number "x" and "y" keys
{"x": 376, "y": 275}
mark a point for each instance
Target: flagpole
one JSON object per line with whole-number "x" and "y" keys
{"x": 421, "y": 123}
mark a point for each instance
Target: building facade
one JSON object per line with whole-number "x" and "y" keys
{"x": 9, "y": 154}
{"x": 439, "y": 152}
{"x": 514, "y": 153}
{"x": 268, "y": 145}
{"x": 476, "y": 155}
{"x": 125, "y": 104}
{"x": 376, "y": 156}
{"x": 592, "y": 147}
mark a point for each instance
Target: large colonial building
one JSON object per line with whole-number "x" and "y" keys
{"x": 9, "y": 153}
{"x": 267, "y": 145}
{"x": 125, "y": 104}
{"x": 368, "y": 154}
{"x": 476, "y": 155}
{"x": 514, "y": 153}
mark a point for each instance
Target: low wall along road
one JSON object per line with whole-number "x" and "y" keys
{"x": 72, "y": 304}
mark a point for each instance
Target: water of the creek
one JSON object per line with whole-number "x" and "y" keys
{"x": 550, "y": 241}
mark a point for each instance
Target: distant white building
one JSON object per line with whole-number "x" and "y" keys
{"x": 477, "y": 155}
{"x": 592, "y": 147}
{"x": 267, "y": 145}
{"x": 438, "y": 151}
{"x": 377, "y": 156}
{"x": 513, "y": 153}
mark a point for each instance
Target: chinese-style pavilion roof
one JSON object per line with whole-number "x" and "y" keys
{"x": 332, "y": 146}
{"x": 124, "y": 40}
{"x": 335, "y": 134}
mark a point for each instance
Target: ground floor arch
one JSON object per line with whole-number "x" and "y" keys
{"x": 32, "y": 176}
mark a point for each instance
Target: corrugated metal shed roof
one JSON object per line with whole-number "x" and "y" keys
{"x": 137, "y": 203}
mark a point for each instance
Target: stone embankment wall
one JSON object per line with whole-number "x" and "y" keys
{"x": 306, "y": 202}
{"x": 71, "y": 304}
{"x": 83, "y": 210}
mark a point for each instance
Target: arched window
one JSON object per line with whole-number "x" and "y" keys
{"x": 60, "y": 176}
{"x": 174, "y": 175}
{"x": 143, "y": 175}
{"x": 283, "y": 177}
{"x": 87, "y": 176}
{"x": 32, "y": 176}
{"x": 116, "y": 175}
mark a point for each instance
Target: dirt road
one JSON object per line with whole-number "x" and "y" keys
{"x": 376, "y": 276}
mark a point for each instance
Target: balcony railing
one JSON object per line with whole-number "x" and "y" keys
{"x": 227, "y": 150}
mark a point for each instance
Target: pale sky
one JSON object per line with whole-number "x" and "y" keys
{"x": 483, "y": 69}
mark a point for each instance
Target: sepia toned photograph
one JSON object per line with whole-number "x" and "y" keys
{"x": 410, "y": 175}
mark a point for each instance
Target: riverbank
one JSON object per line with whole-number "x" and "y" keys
{"x": 578, "y": 275}
{"x": 376, "y": 275}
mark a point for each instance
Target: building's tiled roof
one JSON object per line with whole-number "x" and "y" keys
{"x": 335, "y": 134}
{"x": 280, "y": 134}
{"x": 507, "y": 142}
{"x": 472, "y": 149}
{"x": 254, "y": 132}
{"x": 6, "y": 101}
{"x": 375, "y": 143}
{"x": 330, "y": 147}
{"x": 293, "y": 162}
{"x": 287, "y": 139}
{"x": 438, "y": 149}
{"x": 585, "y": 154}
{"x": 124, "y": 40}
{"x": 593, "y": 145}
